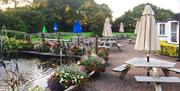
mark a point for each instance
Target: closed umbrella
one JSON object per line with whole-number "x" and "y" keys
{"x": 147, "y": 38}
{"x": 107, "y": 31}
{"x": 137, "y": 26}
{"x": 121, "y": 29}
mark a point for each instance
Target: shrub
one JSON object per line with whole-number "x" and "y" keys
{"x": 168, "y": 49}
{"x": 12, "y": 45}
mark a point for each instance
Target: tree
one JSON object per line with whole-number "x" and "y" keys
{"x": 129, "y": 18}
{"x": 16, "y": 2}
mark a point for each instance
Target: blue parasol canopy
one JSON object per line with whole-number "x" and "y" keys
{"x": 77, "y": 27}
{"x": 55, "y": 27}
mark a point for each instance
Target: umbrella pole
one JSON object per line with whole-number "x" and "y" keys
{"x": 96, "y": 44}
{"x": 78, "y": 38}
{"x": 147, "y": 56}
{"x": 148, "y": 69}
{"x": 43, "y": 36}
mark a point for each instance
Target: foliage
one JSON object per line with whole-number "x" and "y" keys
{"x": 41, "y": 47}
{"x": 168, "y": 49}
{"x": 129, "y": 17}
{"x": 77, "y": 50}
{"x": 103, "y": 52}
{"x": 91, "y": 64}
{"x": 44, "y": 12}
{"x": 12, "y": 45}
{"x": 69, "y": 76}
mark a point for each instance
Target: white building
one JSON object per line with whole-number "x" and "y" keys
{"x": 168, "y": 31}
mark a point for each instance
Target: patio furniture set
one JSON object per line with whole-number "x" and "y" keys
{"x": 154, "y": 64}
{"x": 109, "y": 43}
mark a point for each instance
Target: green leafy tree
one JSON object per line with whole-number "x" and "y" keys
{"x": 129, "y": 17}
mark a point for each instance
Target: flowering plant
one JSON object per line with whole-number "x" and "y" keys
{"x": 76, "y": 50}
{"x": 68, "y": 76}
{"x": 103, "y": 52}
{"x": 92, "y": 64}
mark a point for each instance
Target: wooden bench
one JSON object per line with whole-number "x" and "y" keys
{"x": 166, "y": 71}
{"x": 124, "y": 68}
{"x": 157, "y": 80}
{"x": 103, "y": 46}
{"x": 130, "y": 40}
{"x": 119, "y": 46}
{"x": 174, "y": 70}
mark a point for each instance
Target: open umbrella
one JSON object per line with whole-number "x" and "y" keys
{"x": 77, "y": 28}
{"x": 44, "y": 30}
{"x": 147, "y": 37}
{"x": 107, "y": 31}
{"x": 121, "y": 29}
{"x": 55, "y": 27}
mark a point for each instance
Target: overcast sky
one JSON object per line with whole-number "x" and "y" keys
{"x": 120, "y": 6}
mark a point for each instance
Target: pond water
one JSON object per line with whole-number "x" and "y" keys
{"x": 31, "y": 70}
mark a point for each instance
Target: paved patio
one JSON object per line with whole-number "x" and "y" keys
{"x": 109, "y": 81}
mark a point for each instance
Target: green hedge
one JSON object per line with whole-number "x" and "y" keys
{"x": 168, "y": 49}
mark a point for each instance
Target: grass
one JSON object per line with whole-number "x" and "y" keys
{"x": 63, "y": 36}
{"x": 69, "y": 35}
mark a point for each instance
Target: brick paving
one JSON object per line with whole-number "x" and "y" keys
{"x": 109, "y": 80}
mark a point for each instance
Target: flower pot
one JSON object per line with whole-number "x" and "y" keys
{"x": 95, "y": 75}
{"x": 69, "y": 83}
{"x": 55, "y": 86}
{"x": 102, "y": 69}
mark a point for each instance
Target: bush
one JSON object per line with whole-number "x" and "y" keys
{"x": 168, "y": 49}
{"x": 12, "y": 45}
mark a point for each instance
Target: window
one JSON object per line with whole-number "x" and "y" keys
{"x": 162, "y": 29}
{"x": 174, "y": 26}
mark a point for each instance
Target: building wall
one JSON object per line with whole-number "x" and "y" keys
{"x": 168, "y": 31}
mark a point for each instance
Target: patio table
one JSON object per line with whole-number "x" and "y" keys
{"x": 109, "y": 44}
{"x": 157, "y": 63}
{"x": 153, "y": 63}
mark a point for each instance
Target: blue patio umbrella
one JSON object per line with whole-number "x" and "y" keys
{"x": 77, "y": 28}
{"x": 55, "y": 27}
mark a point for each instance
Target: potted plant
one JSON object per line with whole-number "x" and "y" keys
{"x": 92, "y": 64}
{"x": 53, "y": 83}
{"x": 77, "y": 50}
{"x": 103, "y": 52}
{"x": 68, "y": 76}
